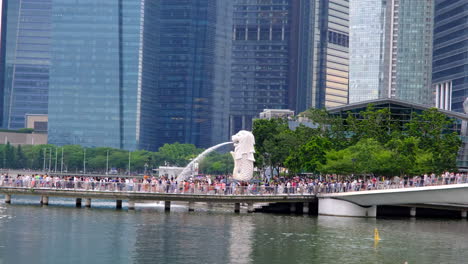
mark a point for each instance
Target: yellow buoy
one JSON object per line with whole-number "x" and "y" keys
{"x": 376, "y": 234}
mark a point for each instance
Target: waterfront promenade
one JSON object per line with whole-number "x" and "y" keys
{"x": 297, "y": 192}
{"x": 150, "y": 191}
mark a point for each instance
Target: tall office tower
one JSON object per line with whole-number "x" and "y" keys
{"x": 194, "y": 61}
{"x": 101, "y": 84}
{"x": 450, "y": 57}
{"x": 287, "y": 54}
{"x": 3, "y": 17}
{"x": 391, "y": 50}
{"x": 25, "y": 55}
{"x": 261, "y": 59}
{"x": 333, "y": 55}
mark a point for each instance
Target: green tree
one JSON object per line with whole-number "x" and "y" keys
{"x": 176, "y": 154}
{"x": 367, "y": 157}
{"x": 21, "y": 160}
{"x": 271, "y": 142}
{"x": 216, "y": 163}
{"x": 308, "y": 156}
{"x": 432, "y": 128}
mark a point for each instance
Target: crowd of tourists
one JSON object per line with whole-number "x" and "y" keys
{"x": 225, "y": 185}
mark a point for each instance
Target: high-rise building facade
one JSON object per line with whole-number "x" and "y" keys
{"x": 261, "y": 59}
{"x": 194, "y": 61}
{"x": 321, "y": 78}
{"x": 26, "y": 62}
{"x": 101, "y": 84}
{"x": 450, "y": 57}
{"x": 287, "y": 54}
{"x": 391, "y": 50}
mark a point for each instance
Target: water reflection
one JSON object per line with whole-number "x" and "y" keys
{"x": 181, "y": 237}
{"x": 64, "y": 234}
{"x": 240, "y": 248}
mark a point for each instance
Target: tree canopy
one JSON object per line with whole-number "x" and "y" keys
{"x": 371, "y": 142}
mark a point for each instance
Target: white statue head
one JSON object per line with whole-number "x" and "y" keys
{"x": 465, "y": 106}
{"x": 244, "y": 142}
{"x": 243, "y": 155}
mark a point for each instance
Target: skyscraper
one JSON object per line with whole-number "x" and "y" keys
{"x": 25, "y": 59}
{"x": 262, "y": 51}
{"x": 101, "y": 86}
{"x": 391, "y": 50}
{"x": 450, "y": 57}
{"x": 288, "y": 54}
{"x": 194, "y": 61}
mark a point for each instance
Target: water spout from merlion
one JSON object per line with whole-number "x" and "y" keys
{"x": 243, "y": 156}
{"x": 187, "y": 171}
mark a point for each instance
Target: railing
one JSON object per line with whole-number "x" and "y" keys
{"x": 221, "y": 189}
{"x": 387, "y": 185}
{"x": 150, "y": 187}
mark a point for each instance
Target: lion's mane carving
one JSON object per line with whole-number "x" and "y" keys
{"x": 243, "y": 155}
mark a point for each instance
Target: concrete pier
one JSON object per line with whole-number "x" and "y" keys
{"x": 191, "y": 206}
{"x": 7, "y": 198}
{"x": 45, "y": 200}
{"x": 292, "y": 208}
{"x": 463, "y": 214}
{"x": 118, "y": 204}
{"x": 88, "y": 202}
{"x": 78, "y": 202}
{"x": 131, "y": 205}
{"x": 334, "y": 207}
{"x": 250, "y": 208}
{"x": 167, "y": 206}
{"x": 413, "y": 212}
{"x": 237, "y": 208}
{"x": 305, "y": 208}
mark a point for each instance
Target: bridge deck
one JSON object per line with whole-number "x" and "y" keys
{"x": 151, "y": 196}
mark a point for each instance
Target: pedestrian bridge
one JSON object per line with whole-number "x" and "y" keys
{"x": 363, "y": 203}
{"x": 237, "y": 197}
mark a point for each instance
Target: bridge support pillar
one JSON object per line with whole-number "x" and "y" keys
{"x": 87, "y": 202}
{"x": 78, "y": 202}
{"x": 118, "y": 204}
{"x": 463, "y": 214}
{"x": 7, "y": 198}
{"x": 413, "y": 212}
{"x": 305, "y": 208}
{"x": 250, "y": 208}
{"x": 45, "y": 200}
{"x": 237, "y": 208}
{"x": 292, "y": 208}
{"x": 334, "y": 207}
{"x": 191, "y": 206}
{"x": 131, "y": 205}
{"x": 167, "y": 206}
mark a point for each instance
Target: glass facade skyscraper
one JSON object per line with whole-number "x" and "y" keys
{"x": 334, "y": 53}
{"x": 287, "y": 54}
{"x": 100, "y": 86}
{"x": 450, "y": 57}
{"x": 194, "y": 60}
{"x": 262, "y": 47}
{"x": 26, "y": 51}
{"x": 367, "y": 48}
{"x": 391, "y": 50}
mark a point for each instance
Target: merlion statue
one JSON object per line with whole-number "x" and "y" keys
{"x": 243, "y": 155}
{"x": 465, "y": 106}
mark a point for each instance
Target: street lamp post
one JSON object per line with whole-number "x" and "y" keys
{"x": 44, "y": 157}
{"x": 61, "y": 164}
{"x": 56, "y": 150}
{"x": 84, "y": 160}
{"x": 129, "y": 156}
{"x": 107, "y": 162}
